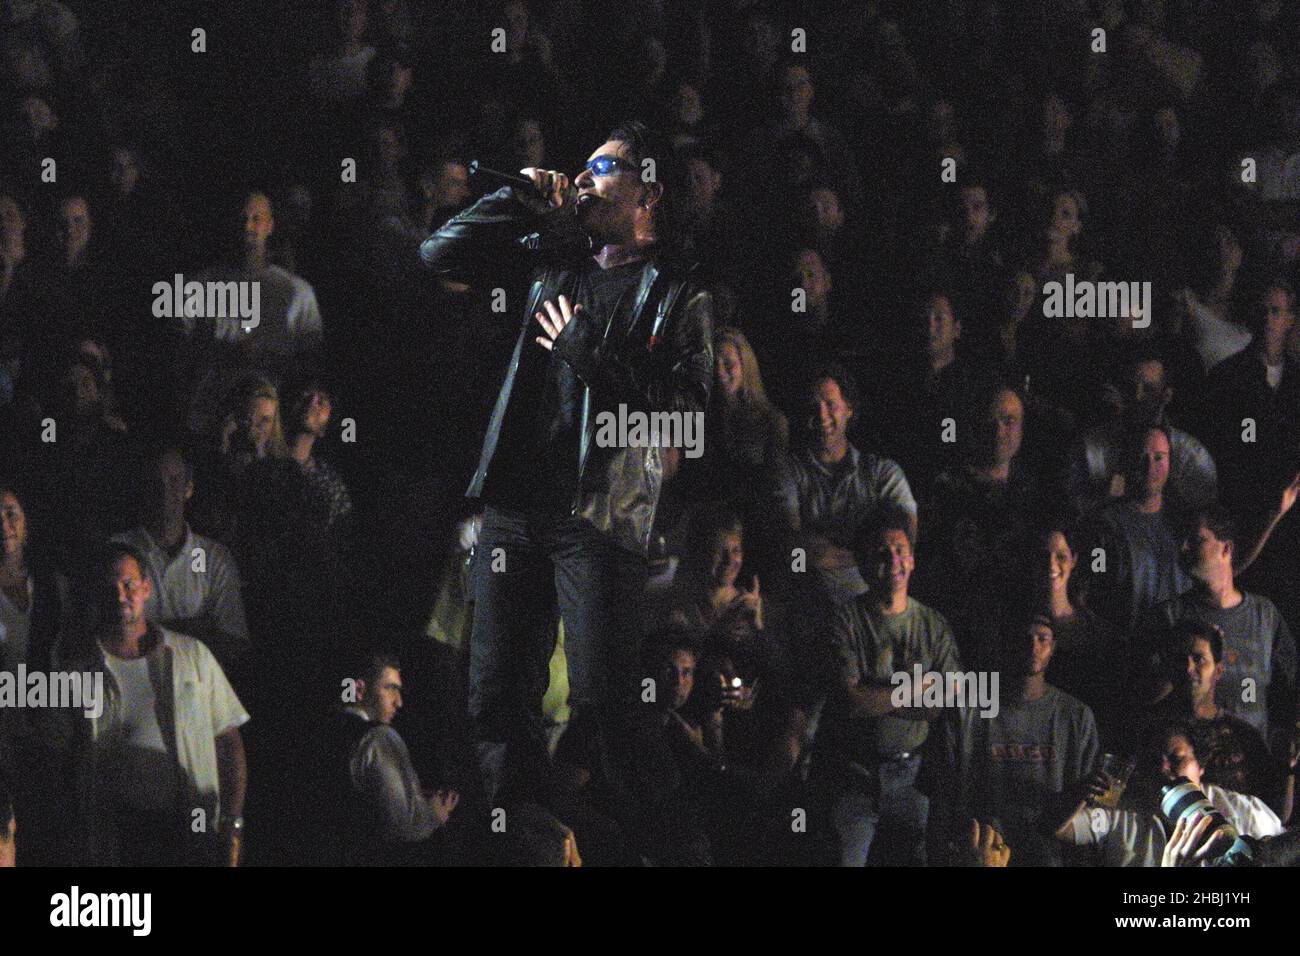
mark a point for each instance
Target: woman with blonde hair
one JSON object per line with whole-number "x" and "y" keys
{"x": 748, "y": 431}
{"x": 252, "y": 428}
{"x": 246, "y": 431}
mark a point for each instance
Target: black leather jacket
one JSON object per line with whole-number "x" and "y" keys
{"x": 661, "y": 360}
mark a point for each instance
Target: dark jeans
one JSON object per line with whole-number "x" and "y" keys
{"x": 526, "y": 564}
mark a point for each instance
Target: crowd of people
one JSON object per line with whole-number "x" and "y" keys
{"x": 257, "y": 536}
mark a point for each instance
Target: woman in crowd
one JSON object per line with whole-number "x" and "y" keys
{"x": 35, "y": 629}
{"x": 1089, "y": 662}
{"x": 251, "y": 429}
{"x": 1060, "y": 244}
{"x": 310, "y": 409}
{"x": 34, "y": 604}
{"x": 751, "y": 433}
{"x": 709, "y": 599}
{"x": 1056, "y": 359}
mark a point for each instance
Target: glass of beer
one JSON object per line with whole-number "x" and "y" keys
{"x": 1118, "y": 770}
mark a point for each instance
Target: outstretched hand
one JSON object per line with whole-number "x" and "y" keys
{"x": 553, "y": 318}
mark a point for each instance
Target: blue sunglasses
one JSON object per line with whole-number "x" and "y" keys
{"x": 606, "y": 165}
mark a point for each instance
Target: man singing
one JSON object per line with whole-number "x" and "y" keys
{"x": 611, "y": 320}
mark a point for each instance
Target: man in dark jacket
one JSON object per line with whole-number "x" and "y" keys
{"x": 612, "y": 326}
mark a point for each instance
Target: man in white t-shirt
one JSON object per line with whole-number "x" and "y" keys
{"x": 289, "y": 321}
{"x": 1133, "y": 833}
{"x": 288, "y": 331}
{"x": 161, "y": 773}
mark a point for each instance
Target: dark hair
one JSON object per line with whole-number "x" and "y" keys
{"x": 1062, "y": 525}
{"x": 1258, "y": 311}
{"x": 838, "y": 373}
{"x": 1157, "y": 733}
{"x": 984, "y": 395}
{"x": 158, "y": 450}
{"x": 659, "y": 645}
{"x": 1136, "y": 436}
{"x": 1029, "y": 616}
{"x": 791, "y": 61}
{"x": 369, "y": 667}
{"x": 938, "y": 287}
{"x": 298, "y": 396}
{"x": 1187, "y": 630}
{"x": 644, "y": 143}
{"x": 1198, "y": 736}
{"x": 1149, "y": 351}
{"x": 10, "y": 487}
{"x": 109, "y": 554}
{"x": 886, "y": 518}
{"x": 1217, "y": 519}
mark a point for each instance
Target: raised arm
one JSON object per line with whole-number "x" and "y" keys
{"x": 480, "y": 246}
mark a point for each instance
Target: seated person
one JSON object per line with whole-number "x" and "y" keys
{"x": 1133, "y": 833}
{"x": 310, "y": 407}
{"x": 1090, "y": 662}
{"x": 933, "y": 383}
{"x": 1015, "y": 766}
{"x": 828, "y": 490}
{"x": 868, "y": 744}
{"x": 1259, "y": 683}
{"x": 196, "y": 585}
{"x": 1138, "y": 535}
{"x": 1096, "y": 462}
{"x": 976, "y": 520}
{"x": 707, "y": 599}
{"x": 750, "y": 431}
{"x": 653, "y": 772}
{"x": 1233, "y": 754}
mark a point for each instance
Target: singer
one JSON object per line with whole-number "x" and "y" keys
{"x": 567, "y": 522}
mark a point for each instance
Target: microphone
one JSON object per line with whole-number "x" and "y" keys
{"x": 574, "y": 240}
{"x": 497, "y": 176}
{"x": 477, "y": 169}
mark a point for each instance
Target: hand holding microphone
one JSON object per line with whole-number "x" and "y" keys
{"x": 541, "y": 190}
